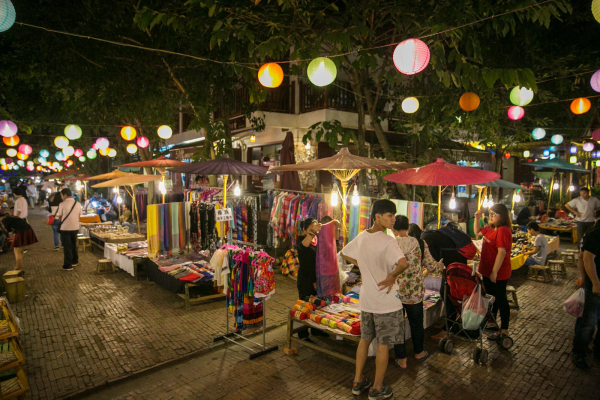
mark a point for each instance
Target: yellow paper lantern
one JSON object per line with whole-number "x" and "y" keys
{"x": 270, "y": 75}
{"x": 104, "y": 152}
{"x": 165, "y": 132}
{"x": 526, "y": 153}
{"x": 11, "y": 141}
{"x": 128, "y": 133}
{"x": 573, "y": 159}
{"x": 73, "y": 132}
{"x": 410, "y": 105}
{"x": 11, "y": 152}
{"x": 22, "y": 156}
{"x": 132, "y": 148}
{"x": 580, "y": 106}
{"x": 469, "y": 101}
{"x": 112, "y": 153}
{"x": 61, "y": 142}
{"x": 321, "y": 71}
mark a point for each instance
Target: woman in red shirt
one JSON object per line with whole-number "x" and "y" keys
{"x": 495, "y": 260}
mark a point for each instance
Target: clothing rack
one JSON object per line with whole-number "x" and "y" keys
{"x": 232, "y": 336}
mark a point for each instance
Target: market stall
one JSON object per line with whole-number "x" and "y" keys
{"x": 127, "y": 256}
{"x": 102, "y": 234}
{"x": 556, "y": 165}
{"x": 561, "y": 225}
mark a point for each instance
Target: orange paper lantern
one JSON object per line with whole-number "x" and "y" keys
{"x": 104, "y": 152}
{"x": 469, "y": 101}
{"x": 270, "y": 75}
{"x": 22, "y": 156}
{"x": 11, "y": 141}
{"x": 580, "y": 106}
{"x": 128, "y": 133}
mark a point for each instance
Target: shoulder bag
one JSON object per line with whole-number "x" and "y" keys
{"x": 61, "y": 222}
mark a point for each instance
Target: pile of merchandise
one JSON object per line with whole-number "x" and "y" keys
{"x": 334, "y": 313}
{"x": 133, "y": 249}
{"x": 191, "y": 268}
{"x": 110, "y": 233}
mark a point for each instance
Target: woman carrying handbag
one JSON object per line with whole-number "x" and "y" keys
{"x": 53, "y": 203}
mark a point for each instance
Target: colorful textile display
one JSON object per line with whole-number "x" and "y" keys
{"x": 290, "y": 264}
{"x": 167, "y": 228}
{"x": 328, "y": 282}
{"x": 416, "y": 212}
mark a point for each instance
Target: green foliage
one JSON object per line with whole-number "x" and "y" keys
{"x": 331, "y": 132}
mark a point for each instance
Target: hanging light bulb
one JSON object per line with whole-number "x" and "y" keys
{"x": 115, "y": 190}
{"x": 355, "y": 197}
{"x": 119, "y": 200}
{"x": 162, "y": 188}
{"x": 78, "y": 185}
{"x": 485, "y": 202}
{"x": 556, "y": 186}
{"x": 236, "y": 190}
{"x": 334, "y": 196}
{"x": 307, "y": 146}
{"x": 517, "y": 196}
{"x": 571, "y": 188}
{"x": 452, "y": 204}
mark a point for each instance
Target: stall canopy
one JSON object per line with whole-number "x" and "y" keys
{"x": 160, "y": 164}
{"x": 343, "y": 166}
{"x": 441, "y": 174}
{"x": 111, "y": 175}
{"x": 555, "y": 166}
{"x": 290, "y": 179}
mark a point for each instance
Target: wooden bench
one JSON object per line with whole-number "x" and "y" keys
{"x": 540, "y": 273}
{"x": 84, "y": 241}
{"x": 558, "y": 267}
{"x": 105, "y": 266}
{"x": 510, "y": 290}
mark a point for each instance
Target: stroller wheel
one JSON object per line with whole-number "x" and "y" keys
{"x": 506, "y": 342}
{"x": 448, "y": 347}
{"x": 442, "y": 344}
{"x": 483, "y": 357}
{"x": 476, "y": 355}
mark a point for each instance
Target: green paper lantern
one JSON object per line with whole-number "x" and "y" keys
{"x": 520, "y": 96}
{"x": 91, "y": 154}
{"x": 321, "y": 71}
{"x": 73, "y": 132}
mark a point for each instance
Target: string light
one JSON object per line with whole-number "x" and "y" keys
{"x": 452, "y": 204}
{"x": 355, "y": 197}
{"x": 555, "y": 186}
{"x": 517, "y": 196}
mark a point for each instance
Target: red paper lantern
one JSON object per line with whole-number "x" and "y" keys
{"x": 596, "y": 135}
{"x": 411, "y": 56}
{"x": 78, "y": 153}
{"x": 142, "y": 142}
{"x": 507, "y": 155}
{"x": 516, "y": 113}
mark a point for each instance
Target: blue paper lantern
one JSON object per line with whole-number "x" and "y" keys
{"x": 546, "y": 153}
{"x": 7, "y": 15}
{"x": 44, "y": 153}
{"x": 552, "y": 156}
{"x": 59, "y": 156}
{"x": 557, "y": 139}
{"x": 538, "y": 133}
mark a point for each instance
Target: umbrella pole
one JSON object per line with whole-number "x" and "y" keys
{"x": 439, "y": 206}
{"x": 551, "y": 188}
{"x": 513, "y": 200}
{"x": 561, "y": 187}
{"x": 479, "y": 198}
{"x": 225, "y": 178}
{"x": 132, "y": 194}
{"x": 344, "y": 211}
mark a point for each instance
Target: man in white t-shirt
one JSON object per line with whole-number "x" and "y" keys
{"x": 380, "y": 260}
{"x": 583, "y": 207}
{"x": 32, "y": 194}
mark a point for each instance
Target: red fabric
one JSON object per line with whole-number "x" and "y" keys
{"x": 441, "y": 173}
{"x": 191, "y": 277}
{"x": 24, "y": 239}
{"x": 492, "y": 240}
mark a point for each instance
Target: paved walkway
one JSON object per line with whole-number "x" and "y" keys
{"x": 82, "y": 330}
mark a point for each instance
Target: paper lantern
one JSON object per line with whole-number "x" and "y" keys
{"x": 596, "y": 135}
{"x": 72, "y": 132}
{"x": 82, "y": 159}
{"x": 42, "y": 160}
{"x": 595, "y": 81}
{"x": 21, "y": 163}
{"x": 15, "y": 167}
{"x": 22, "y": 156}
{"x": 411, "y": 56}
{"x": 2, "y": 161}
{"x": 30, "y": 168}
{"x": 8, "y": 128}
{"x": 546, "y": 153}
{"x": 580, "y": 106}
{"x": 68, "y": 151}
{"x": 573, "y": 159}
{"x": 270, "y": 75}
{"x": 321, "y": 71}
{"x": 39, "y": 167}
{"x": 128, "y": 133}
{"x": 507, "y": 155}
{"x": 44, "y": 153}
{"x": 516, "y": 113}
{"x": 521, "y": 96}
{"x": 11, "y": 141}
{"x": 132, "y": 148}
{"x": 526, "y": 154}
{"x": 104, "y": 152}
{"x": 7, "y": 15}
{"x": 69, "y": 163}
{"x": 410, "y": 105}
{"x": 596, "y": 9}
{"x": 538, "y": 133}
{"x": 61, "y": 142}
{"x": 59, "y": 156}
{"x": 469, "y": 101}
{"x": 102, "y": 143}
{"x": 165, "y": 132}
{"x": 11, "y": 152}
{"x": 78, "y": 153}
{"x": 112, "y": 153}
{"x": 25, "y": 149}
{"x": 557, "y": 139}
{"x": 94, "y": 146}
{"x": 91, "y": 154}
{"x": 142, "y": 142}
{"x": 588, "y": 146}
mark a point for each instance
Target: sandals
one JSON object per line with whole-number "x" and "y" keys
{"x": 398, "y": 365}
{"x": 425, "y": 357}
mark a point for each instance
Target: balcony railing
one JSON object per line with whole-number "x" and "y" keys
{"x": 337, "y": 96}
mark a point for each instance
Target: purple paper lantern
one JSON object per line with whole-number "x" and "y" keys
{"x": 596, "y": 135}
{"x": 588, "y": 146}
{"x": 595, "y": 81}
{"x": 8, "y": 128}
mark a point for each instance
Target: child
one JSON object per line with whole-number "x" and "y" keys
{"x": 538, "y": 255}
{"x": 380, "y": 260}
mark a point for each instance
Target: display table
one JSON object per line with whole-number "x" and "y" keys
{"x": 89, "y": 218}
{"x": 571, "y": 230}
{"x": 84, "y": 227}
{"x": 99, "y": 240}
{"x": 129, "y": 265}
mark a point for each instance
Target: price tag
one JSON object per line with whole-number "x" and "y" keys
{"x": 224, "y": 215}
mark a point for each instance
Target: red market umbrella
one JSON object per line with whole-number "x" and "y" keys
{"x": 441, "y": 174}
{"x": 290, "y": 179}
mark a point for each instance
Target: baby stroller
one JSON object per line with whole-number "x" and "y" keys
{"x": 461, "y": 280}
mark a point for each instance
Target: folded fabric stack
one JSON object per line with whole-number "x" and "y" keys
{"x": 190, "y": 272}
{"x": 322, "y": 312}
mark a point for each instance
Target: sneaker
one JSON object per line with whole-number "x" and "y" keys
{"x": 56, "y": 248}
{"x": 384, "y": 393}
{"x": 580, "y": 362}
{"x": 67, "y": 268}
{"x": 359, "y": 388}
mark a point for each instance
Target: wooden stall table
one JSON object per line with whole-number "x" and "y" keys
{"x": 572, "y": 230}
{"x": 132, "y": 266}
{"x": 89, "y": 218}
{"x": 518, "y": 261}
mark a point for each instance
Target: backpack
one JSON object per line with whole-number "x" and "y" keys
{"x": 464, "y": 244}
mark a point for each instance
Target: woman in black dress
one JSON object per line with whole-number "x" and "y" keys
{"x": 23, "y": 236}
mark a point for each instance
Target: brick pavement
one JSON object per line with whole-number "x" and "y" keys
{"x": 537, "y": 367}
{"x": 81, "y": 330}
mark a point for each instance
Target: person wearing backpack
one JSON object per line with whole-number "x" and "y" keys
{"x": 68, "y": 213}
{"x": 495, "y": 261}
{"x": 411, "y": 288}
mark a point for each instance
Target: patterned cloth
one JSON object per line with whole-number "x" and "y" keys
{"x": 290, "y": 264}
{"x": 328, "y": 281}
{"x": 411, "y": 283}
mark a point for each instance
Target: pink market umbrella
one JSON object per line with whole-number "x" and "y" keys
{"x": 160, "y": 164}
{"x": 441, "y": 174}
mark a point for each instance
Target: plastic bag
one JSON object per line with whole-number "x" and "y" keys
{"x": 474, "y": 309}
{"x": 574, "y": 304}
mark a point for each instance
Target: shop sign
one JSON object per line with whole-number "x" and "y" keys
{"x": 224, "y": 215}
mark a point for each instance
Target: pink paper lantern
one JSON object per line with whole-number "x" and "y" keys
{"x": 595, "y": 81}
{"x": 411, "y": 56}
{"x": 516, "y": 113}
{"x": 30, "y": 168}
{"x": 25, "y": 149}
{"x": 8, "y": 128}
{"x": 596, "y": 135}
{"x": 588, "y": 146}
{"x": 94, "y": 146}
{"x": 78, "y": 153}
{"x": 102, "y": 143}
{"x": 142, "y": 142}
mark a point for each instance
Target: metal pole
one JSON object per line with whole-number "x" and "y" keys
{"x": 561, "y": 187}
